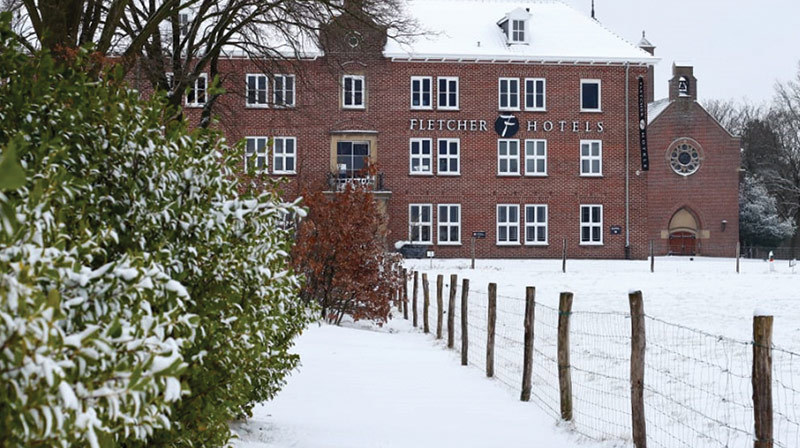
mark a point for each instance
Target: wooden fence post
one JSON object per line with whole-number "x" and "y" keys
{"x": 451, "y": 311}
{"x": 762, "y": 380}
{"x": 527, "y": 360}
{"x": 637, "y": 369}
{"x": 426, "y": 304}
{"x": 491, "y": 322}
{"x": 464, "y": 314}
{"x": 399, "y": 294}
{"x": 439, "y": 305}
{"x": 652, "y": 258}
{"x": 738, "y": 254}
{"x": 405, "y": 294}
{"x": 414, "y": 302}
{"x": 564, "y": 374}
{"x": 564, "y": 256}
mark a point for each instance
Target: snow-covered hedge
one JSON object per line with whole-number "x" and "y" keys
{"x": 143, "y": 299}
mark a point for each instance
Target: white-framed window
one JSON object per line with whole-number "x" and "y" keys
{"x": 420, "y": 156}
{"x": 591, "y": 224}
{"x": 508, "y": 93}
{"x": 590, "y": 95}
{"x": 507, "y": 157}
{"x": 420, "y": 223}
{"x": 283, "y": 90}
{"x": 256, "y": 90}
{"x": 284, "y": 155}
{"x": 353, "y": 92}
{"x": 196, "y": 96}
{"x": 449, "y": 231}
{"x": 170, "y": 80}
{"x": 447, "y": 92}
{"x": 591, "y": 157}
{"x": 448, "y": 156}
{"x": 536, "y": 224}
{"x": 507, "y": 224}
{"x": 535, "y": 94}
{"x": 183, "y": 23}
{"x": 421, "y": 92}
{"x": 255, "y": 153}
{"x": 517, "y": 31}
{"x": 352, "y": 158}
{"x": 536, "y": 157}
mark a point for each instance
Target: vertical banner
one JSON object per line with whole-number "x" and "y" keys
{"x": 643, "y": 126}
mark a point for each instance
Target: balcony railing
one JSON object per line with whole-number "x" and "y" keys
{"x": 338, "y": 182}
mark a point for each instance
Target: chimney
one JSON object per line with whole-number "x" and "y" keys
{"x": 683, "y": 85}
{"x": 645, "y": 45}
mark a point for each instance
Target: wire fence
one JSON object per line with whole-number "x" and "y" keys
{"x": 698, "y": 387}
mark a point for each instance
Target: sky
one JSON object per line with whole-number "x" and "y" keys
{"x": 739, "y": 48}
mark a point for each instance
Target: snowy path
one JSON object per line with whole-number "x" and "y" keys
{"x": 360, "y": 388}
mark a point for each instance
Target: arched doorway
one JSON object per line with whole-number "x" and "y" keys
{"x": 683, "y": 230}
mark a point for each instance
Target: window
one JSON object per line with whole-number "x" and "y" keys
{"x": 448, "y": 92}
{"x": 508, "y": 91}
{"x": 421, "y": 92}
{"x": 420, "y": 223}
{"x": 353, "y": 92}
{"x": 449, "y": 231}
{"x": 283, "y": 90}
{"x": 284, "y": 155}
{"x": 255, "y": 156}
{"x": 183, "y": 24}
{"x": 536, "y": 224}
{"x": 591, "y": 224}
{"x": 536, "y": 157}
{"x": 351, "y": 158}
{"x": 507, "y": 224}
{"x": 591, "y": 158}
{"x": 256, "y": 90}
{"x": 507, "y": 157}
{"x": 421, "y": 158}
{"x": 196, "y": 96}
{"x": 517, "y": 31}
{"x": 448, "y": 156}
{"x": 590, "y": 95}
{"x": 170, "y": 80}
{"x": 535, "y": 94}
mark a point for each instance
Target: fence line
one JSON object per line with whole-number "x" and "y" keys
{"x": 697, "y": 387}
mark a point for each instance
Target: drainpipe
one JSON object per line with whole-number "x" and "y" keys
{"x": 627, "y": 164}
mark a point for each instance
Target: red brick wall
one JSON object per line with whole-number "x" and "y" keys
{"x": 711, "y": 193}
{"x": 478, "y": 189}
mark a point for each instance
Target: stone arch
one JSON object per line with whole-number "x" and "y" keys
{"x": 684, "y": 229}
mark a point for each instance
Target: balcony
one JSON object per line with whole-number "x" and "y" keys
{"x": 374, "y": 183}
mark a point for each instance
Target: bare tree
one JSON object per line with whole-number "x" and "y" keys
{"x": 193, "y": 41}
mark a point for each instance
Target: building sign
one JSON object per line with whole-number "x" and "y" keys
{"x": 506, "y": 126}
{"x": 504, "y": 129}
{"x": 479, "y": 234}
{"x": 615, "y": 230}
{"x": 643, "y": 126}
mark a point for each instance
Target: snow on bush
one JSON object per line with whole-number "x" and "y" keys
{"x": 143, "y": 299}
{"x": 759, "y": 221}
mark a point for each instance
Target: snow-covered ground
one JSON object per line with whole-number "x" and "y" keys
{"x": 360, "y": 388}
{"x": 699, "y": 327}
{"x": 397, "y": 387}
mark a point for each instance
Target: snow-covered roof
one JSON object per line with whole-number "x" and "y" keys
{"x": 655, "y": 109}
{"x": 467, "y": 29}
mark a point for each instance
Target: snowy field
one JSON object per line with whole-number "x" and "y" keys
{"x": 700, "y": 313}
{"x": 358, "y": 388}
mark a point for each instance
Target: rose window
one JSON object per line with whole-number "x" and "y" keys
{"x": 684, "y": 159}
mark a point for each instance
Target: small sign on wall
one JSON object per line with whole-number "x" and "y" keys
{"x": 615, "y": 230}
{"x": 479, "y": 234}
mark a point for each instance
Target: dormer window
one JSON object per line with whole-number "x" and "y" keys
{"x": 515, "y": 26}
{"x": 683, "y": 86}
{"x": 517, "y": 31}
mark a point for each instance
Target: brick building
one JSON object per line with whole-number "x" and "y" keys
{"x": 517, "y": 120}
{"x": 693, "y": 184}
